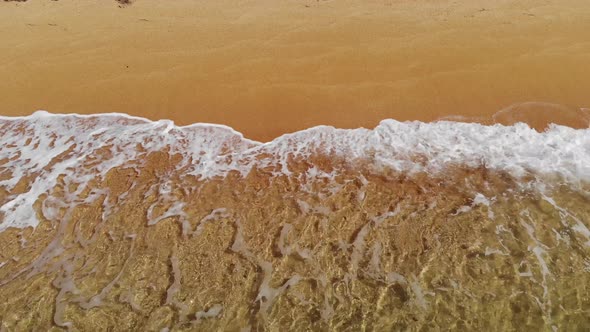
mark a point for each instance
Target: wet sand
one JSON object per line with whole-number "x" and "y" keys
{"x": 366, "y": 251}
{"x": 267, "y": 67}
{"x": 105, "y": 224}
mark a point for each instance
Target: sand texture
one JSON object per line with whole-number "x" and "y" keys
{"x": 118, "y": 223}
{"x": 267, "y": 67}
{"x": 380, "y": 252}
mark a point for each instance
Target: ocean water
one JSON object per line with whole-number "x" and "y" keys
{"x": 113, "y": 221}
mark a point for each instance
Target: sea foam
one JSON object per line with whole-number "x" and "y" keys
{"x": 43, "y": 147}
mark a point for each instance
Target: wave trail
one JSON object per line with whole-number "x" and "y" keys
{"x": 39, "y": 149}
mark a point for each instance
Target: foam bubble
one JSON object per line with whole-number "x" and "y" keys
{"x": 38, "y": 150}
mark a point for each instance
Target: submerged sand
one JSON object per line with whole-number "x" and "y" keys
{"x": 370, "y": 252}
{"x": 268, "y": 67}
{"x": 118, "y": 223}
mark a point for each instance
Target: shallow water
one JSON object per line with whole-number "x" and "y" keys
{"x": 113, "y": 221}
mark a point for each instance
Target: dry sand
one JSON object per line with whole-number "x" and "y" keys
{"x": 267, "y": 67}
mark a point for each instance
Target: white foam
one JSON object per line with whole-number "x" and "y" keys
{"x": 85, "y": 146}
{"x": 420, "y": 301}
{"x": 213, "y": 312}
{"x": 214, "y": 215}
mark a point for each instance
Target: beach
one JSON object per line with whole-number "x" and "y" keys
{"x": 267, "y": 68}
{"x": 298, "y": 165}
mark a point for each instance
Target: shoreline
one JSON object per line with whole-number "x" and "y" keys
{"x": 298, "y": 165}
{"x": 579, "y": 121}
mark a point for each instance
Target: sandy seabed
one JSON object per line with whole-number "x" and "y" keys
{"x": 365, "y": 251}
{"x": 125, "y": 224}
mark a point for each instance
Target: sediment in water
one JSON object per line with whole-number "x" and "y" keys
{"x": 306, "y": 241}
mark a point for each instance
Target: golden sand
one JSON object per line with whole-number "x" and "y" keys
{"x": 390, "y": 253}
{"x": 269, "y": 67}
{"x": 366, "y": 250}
